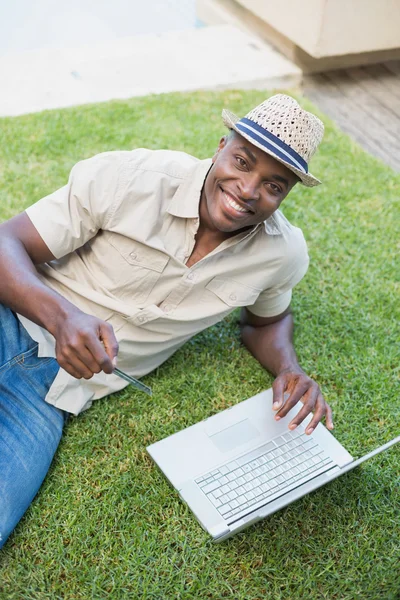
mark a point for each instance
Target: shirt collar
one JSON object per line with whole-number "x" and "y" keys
{"x": 185, "y": 202}
{"x": 272, "y": 225}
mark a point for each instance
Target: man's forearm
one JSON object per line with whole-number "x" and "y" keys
{"x": 272, "y": 345}
{"x": 22, "y": 290}
{"x": 85, "y": 344}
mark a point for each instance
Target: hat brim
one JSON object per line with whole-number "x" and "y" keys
{"x": 230, "y": 120}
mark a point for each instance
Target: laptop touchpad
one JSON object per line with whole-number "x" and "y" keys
{"x": 235, "y": 435}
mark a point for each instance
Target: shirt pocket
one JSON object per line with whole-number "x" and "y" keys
{"x": 137, "y": 268}
{"x": 224, "y": 295}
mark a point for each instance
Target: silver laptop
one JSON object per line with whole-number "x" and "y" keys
{"x": 241, "y": 465}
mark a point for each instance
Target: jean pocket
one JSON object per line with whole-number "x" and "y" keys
{"x": 31, "y": 360}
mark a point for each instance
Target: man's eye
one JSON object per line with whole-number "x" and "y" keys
{"x": 275, "y": 188}
{"x": 241, "y": 161}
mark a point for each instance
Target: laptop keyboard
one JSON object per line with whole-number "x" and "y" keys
{"x": 258, "y": 477}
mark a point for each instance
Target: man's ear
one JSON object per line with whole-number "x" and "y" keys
{"x": 222, "y": 144}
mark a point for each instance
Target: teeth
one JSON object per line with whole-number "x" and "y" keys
{"x": 234, "y": 204}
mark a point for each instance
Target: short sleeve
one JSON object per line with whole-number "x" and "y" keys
{"x": 276, "y": 299}
{"x": 72, "y": 215}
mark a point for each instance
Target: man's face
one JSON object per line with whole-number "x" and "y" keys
{"x": 243, "y": 187}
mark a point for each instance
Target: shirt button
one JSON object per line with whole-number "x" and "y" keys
{"x": 232, "y": 296}
{"x": 191, "y": 276}
{"x": 133, "y": 255}
{"x": 141, "y": 319}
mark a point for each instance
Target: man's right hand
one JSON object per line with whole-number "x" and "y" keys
{"x": 85, "y": 345}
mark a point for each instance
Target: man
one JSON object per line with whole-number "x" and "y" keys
{"x": 137, "y": 253}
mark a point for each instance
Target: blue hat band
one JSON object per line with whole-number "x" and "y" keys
{"x": 271, "y": 142}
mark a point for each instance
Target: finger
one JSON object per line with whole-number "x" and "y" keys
{"x": 295, "y": 395}
{"x": 110, "y": 343}
{"x": 320, "y": 411}
{"x": 86, "y": 356}
{"x": 77, "y": 355}
{"x": 310, "y": 401}
{"x": 75, "y": 367}
{"x": 278, "y": 389}
{"x": 69, "y": 369}
{"x": 100, "y": 361}
{"x": 329, "y": 417}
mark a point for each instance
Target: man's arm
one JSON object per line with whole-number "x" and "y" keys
{"x": 270, "y": 341}
{"x": 84, "y": 344}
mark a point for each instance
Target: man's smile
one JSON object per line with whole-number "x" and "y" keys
{"x": 234, "y": 206}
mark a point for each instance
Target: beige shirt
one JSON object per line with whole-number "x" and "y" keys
{"x": 122, "y": 230}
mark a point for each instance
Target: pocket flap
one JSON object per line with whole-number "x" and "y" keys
{"x": 138, "y": 254}
{"x": 232, "y": 292}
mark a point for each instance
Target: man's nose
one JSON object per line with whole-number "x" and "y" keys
{"x": 249, "y": 188}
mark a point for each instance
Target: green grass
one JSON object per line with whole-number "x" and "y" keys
{"x": 106, "y": 524}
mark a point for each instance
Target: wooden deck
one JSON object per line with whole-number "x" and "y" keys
{"x": 365, "y": 103}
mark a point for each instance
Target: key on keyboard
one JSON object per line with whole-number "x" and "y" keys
{"x": 260, "y": 476}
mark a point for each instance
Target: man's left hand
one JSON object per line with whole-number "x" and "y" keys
{"x": 292, "y": 385}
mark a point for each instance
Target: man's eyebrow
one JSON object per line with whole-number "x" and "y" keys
{"x": 249, "y": 153}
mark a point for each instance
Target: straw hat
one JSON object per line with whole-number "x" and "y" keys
{"x": 280, "y": 127}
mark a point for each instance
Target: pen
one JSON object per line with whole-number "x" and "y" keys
{"x": 135, "y": 382}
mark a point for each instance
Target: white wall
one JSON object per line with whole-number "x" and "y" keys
{"x": 333, "y": 27}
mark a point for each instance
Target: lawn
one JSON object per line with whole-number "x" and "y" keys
{"x": 106, "y": 524}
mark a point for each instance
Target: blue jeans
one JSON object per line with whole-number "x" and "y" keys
{"x": 30, "y": 428}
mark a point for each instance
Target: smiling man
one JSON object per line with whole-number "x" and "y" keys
{"x": 139, "y": 252}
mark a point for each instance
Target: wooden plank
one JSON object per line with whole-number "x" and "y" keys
{"x": 385, "y": 77}
{"x": 344, "y": 123}
{"x": 378, "y": 85}
{"x": 368, "y": 128}
{"x": 381, "y": 122}
{"x": 348, "y": 117}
